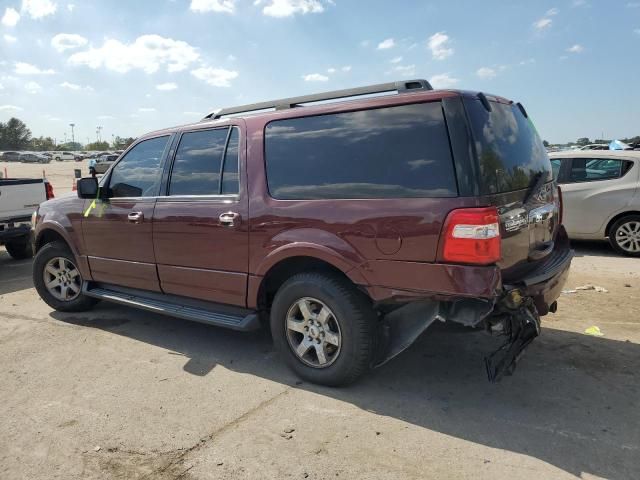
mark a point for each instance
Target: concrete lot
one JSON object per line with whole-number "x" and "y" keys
{"x": 118, "y": 393}
{"x": 60, "y": 174}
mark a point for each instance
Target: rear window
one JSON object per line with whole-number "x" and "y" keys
{"x": 395, "y": 152}
{"x": 510, "y": 152}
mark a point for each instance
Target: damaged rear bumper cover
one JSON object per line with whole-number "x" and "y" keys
{"x": 513, "y": 312}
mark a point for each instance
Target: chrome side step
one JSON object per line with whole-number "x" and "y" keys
{"x": 153, "y": 302}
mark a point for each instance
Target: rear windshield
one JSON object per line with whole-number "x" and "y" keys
{"x": 510, "y": 152}
{"x": 390, "y": 152}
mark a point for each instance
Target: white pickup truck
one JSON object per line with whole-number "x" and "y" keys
{"x": 19, "y": 198}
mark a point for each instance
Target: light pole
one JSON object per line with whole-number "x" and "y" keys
{"x": 98, "y": 130}
{"x": 73, "y": 138}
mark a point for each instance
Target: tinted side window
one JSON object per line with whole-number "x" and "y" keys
{"x": 383, "y": 153}
{"x": 138, "y": 173}
{"x": 196, "y": 168}
{"x": 230, "y": 179}
{"x": 555, "y": 166}
{"x": 594, "y": 169}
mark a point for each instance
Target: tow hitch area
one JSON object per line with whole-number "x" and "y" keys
{"x": 521, "y": 326}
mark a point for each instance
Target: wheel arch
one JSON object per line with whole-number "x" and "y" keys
{"x": 618, "y": 217}
{"x": 285, "y": 268}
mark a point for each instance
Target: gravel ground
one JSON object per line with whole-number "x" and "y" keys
{"x": 118, "y": 393}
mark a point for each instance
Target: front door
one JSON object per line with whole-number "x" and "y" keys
{"x": 118, "y": 230}
{"x": 200, "y": 228}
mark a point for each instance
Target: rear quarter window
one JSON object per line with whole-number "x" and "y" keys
{"x": 510, "y": 152}
{"x": 395, "y": 152}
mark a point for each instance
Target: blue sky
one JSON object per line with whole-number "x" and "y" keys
{"x": 131, "y": 66}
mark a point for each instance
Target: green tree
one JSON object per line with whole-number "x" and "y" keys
{"x": 545, "y": 143}
{"x": 97, "y": 146}
{"x": 583, "y": 141}
{"x": 120, "y": 143}
{"x": 14, "y": 135}
{"x": 43, "y": 144}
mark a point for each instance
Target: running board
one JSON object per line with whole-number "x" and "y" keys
{"x": 153, "y": 302}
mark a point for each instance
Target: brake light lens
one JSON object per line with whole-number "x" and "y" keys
{"x": 48, "y": 190}
{"x": 472, "y": 235}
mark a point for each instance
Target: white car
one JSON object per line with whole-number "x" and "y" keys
{"x": 63, "y": 156}
{"x": 601, "y": 196}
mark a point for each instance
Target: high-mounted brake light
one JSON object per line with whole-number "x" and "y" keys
{"x": 472, "y": 235}
{"x": 48, "y": 188}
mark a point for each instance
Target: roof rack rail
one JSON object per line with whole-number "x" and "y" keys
{"x": 292, "y": 102}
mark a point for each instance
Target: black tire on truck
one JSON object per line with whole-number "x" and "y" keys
{"x": 58, "y": 280}
{"x": 20, "y": 248}
{"x": 324, "y": 328}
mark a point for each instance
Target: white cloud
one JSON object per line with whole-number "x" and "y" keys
{"x": 315, "y": 77}
{"x": 346, "y": 68}
{"x": 396, "y": 60}
{"x": 287, "y": 8}
{"x": 7, "y": 108}
{"x": 9, "y": 38}
{"x": 38, "y": 8}
{"x": 147, "y": 53}
{"x": 439, "y": 45}
{"x": 70, "y": 7}
{"x": 1, "y": 87}
{"x": 67, "y": 41}
{"x": 216, "y": 77}
{"x": 22, "y": 68}
{"x": 404, "y": 70}
{"x": 443, "y": 80}
{"x": 166, "y": 86}
{"x": 528, "y": 61}
{"x": 486, "y": 73}
{"x": 578, "y": 3}
{"x": 331, "y": 70}
{"x": 105, "y": 117}
{"x": 386, "y": 44}
{"x": 10, "y": 17}
{"x": 75, "y": 86}
{"x": 542, "y": 24}
{"x": 365, "y": 43}
{"x": 32, "y": 87}
{"x": 637, "y": 31}
{"x": 226, "y": 6}
{"x": 146, "y": 109}
{"x": 552, "y": 11}
{"x": 577, "y": 48}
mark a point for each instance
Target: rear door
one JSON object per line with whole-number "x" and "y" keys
{"x": 118, "y": 230}
{"x": 516, "y": 176}
{"x": 594, "y": 190}
{"x": 200, "y": 228}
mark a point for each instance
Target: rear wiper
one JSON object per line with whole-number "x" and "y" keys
{"x": 539, "y": 181}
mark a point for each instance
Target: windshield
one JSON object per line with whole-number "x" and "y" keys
{"x": 510, "y": 152}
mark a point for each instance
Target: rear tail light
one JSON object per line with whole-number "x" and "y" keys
{"x": 472, "y": 235}
{"x": 48, "y": 188}
{"x": 560, "y": 206}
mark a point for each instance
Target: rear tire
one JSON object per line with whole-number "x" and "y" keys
{"x": 63, "y": 290}
{"x": 19, "y": 249}
{"x": 334, "y": 331}
{"x": 624, "y": 236}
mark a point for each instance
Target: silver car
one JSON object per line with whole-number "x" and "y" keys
{"x": 601, "y": 196}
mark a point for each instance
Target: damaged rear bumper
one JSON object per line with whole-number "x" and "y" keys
{"x": 514, "y": 312}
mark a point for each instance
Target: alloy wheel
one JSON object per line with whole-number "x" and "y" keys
{"x": 313, "y": 332}
{"x": 628, "y": 236}
{"x": 62, "y": 279}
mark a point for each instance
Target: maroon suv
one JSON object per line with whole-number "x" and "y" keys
{"x": 348, "y": 221}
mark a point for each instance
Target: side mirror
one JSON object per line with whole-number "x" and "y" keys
{"x": 87, "y": 187}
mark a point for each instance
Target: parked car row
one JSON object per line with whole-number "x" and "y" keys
{"x": 25, "y": 157}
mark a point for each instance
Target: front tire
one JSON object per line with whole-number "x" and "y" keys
{"x": 624, "y": 236}
{"x": 324, "y": 328}
{"x": 58, "y": 280}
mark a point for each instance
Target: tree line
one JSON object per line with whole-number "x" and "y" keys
{"x": 15, "y": 135}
